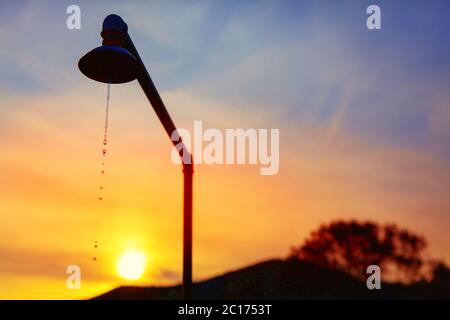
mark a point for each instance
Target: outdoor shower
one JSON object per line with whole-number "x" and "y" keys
{"x": 117, "y": 61}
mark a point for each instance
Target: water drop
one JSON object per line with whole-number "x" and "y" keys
{"x": 105, "y": 140}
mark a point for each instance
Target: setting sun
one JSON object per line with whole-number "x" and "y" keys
{"x": 131, "y": 264}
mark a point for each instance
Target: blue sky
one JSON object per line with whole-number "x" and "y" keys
{"x": 297, "y": 54}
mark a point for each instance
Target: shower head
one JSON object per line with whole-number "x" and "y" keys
{"x": 111, "y": 62}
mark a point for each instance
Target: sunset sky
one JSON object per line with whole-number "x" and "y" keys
{"x": 364, "y": 119}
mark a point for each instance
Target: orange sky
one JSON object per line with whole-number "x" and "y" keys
{"x": 50, "y": 178}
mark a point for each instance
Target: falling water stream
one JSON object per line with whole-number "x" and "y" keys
{"x": 102, "y": 172}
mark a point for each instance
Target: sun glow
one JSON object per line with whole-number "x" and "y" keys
{"x": 131, "y": 264}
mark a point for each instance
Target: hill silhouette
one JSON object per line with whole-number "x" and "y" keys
{"x": 285, "y": 279}
{"x": 330, "y": 264}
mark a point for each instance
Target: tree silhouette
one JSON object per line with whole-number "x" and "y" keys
{"x": 352, "y": 246}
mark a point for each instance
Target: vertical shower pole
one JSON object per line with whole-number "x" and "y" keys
{"x": 116, "y": 24}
